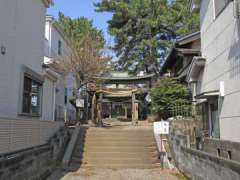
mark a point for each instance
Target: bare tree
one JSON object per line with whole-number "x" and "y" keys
{"x": 84, "y": 61}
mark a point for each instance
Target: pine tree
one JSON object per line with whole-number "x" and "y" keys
{"x": 143, "y": 30}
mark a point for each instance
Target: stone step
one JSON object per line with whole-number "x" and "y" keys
{"x": 127, "y": 161}
{"x": 115, "y": 160}
{"x": 116, "y": 130}
{"x": 122, "y": 134}
{"x": 117, "y": 138}
{"x": 117, "y": 144}
{"x": 120, "y": 154}
{"x": 113, "y": 155}
{"x": 111, "y": 130}
{"x": 116, "y": 149}
{"x": 133, "y": 148}
{"x": 130, "y": 138}
{"x": 75, "y": 165}
{"x": 146, "y": 133}
{"x": 84, "y": 140}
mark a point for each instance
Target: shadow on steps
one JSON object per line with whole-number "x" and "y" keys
{"x": 78, "y": 152}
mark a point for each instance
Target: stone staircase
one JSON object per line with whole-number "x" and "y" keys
{"x": 115, "y": 148}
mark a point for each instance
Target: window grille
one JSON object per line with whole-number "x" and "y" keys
{"x": 237, "y": 8}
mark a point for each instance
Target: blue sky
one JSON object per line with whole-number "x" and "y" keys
{"x": 76, "y": 8}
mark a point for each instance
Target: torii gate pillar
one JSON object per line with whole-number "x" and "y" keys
{"x": 134, "y": 110}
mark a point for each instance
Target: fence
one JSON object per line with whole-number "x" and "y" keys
{"x": 17, "y": 134}
{"x": 181, "y": 109}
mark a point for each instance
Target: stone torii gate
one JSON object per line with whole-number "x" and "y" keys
{"x": 122, "y": 90}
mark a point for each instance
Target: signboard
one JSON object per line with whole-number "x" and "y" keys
{"x": 80, "y": 103}
{"x": 161, "y": 127}
{"x": 148, "y": 98}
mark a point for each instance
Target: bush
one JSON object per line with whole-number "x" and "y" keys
{"x": 168, "y": 95}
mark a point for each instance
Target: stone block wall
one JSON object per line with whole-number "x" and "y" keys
{"x": 35, "y": 163}
{"x": 186, "y": 127}
{"x": 226, "y": 149}
{"x": 200, "y": 165}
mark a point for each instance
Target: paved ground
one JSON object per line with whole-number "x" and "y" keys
{"x": 117, "y": 174}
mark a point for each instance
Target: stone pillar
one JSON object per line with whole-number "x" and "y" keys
{"x": 125, "y": 108}
{"x": 93, "y": 108}
{"x": 134, "y": 118}
{"x": 136, "y": 112}
{"x": 110, "y": 109}
{"x": 100, "y": 123}
{"x": 87, "y": 111}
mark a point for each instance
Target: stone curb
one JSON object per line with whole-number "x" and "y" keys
{"x": 68, "y": 153}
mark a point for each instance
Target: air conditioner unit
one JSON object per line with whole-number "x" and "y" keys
{"x": 237, "y": 9}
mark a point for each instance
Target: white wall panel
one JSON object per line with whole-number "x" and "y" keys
{"x": 17, "y": 134}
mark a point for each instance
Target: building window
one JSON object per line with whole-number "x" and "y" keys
{"x": 214, "y": 119}
{"x": 59, "y": 48}
{"x": 202, "y": 115}
{"x": 219, "y": 6}
{"x": 31, "y": 97}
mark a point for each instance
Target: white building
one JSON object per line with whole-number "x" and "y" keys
{"x": 24, "y": 95}
{"x": 56, "y": 49}
{"x": 21, "y": 42}
{"x": 215, "y": 76}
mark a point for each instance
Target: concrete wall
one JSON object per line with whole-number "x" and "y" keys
{"x": 21, "y": 33}
{"x": 220, "y": 40}
{"x": 199, "y": 165}
{"x": 224, "y": 149}
{"x": 34, "y": 163}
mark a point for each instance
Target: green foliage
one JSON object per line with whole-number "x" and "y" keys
{"x": 144, "y": 29}
{"x": 76, "y": 30}
{"x": 181, "y": 19}
{"x": 166, "y": 94}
